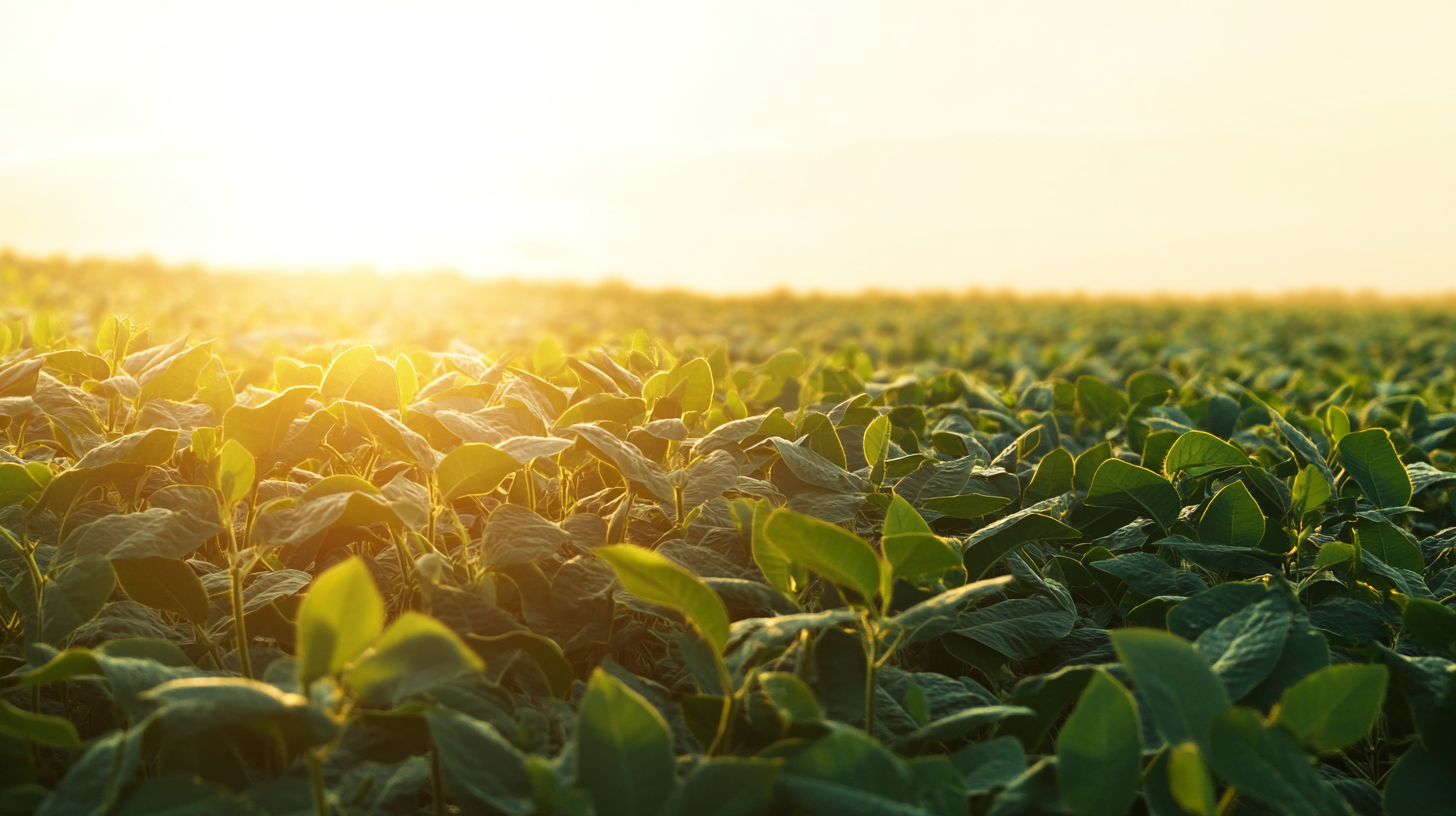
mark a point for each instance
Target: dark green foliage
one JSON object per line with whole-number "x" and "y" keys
{"x": 838, "y": 557}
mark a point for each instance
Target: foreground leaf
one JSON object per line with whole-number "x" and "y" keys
{"x": 624, "y": 755}
{"x": 652, "y": 577}
{"x": 339, "y": 617}
{"x": 1099, "y": 750}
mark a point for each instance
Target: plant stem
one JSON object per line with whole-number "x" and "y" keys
{"x": 37, "y": 580}
{"x": 240, "y": 627}
{"x": 730, "y": 701}
{"x": 869, "y": 676}
{"x": 320, "y": 788}
{"x": 437, "y": 783}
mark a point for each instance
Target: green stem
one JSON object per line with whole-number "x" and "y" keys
{"x": 869, "y": 676}
{"x": 37, "y": 581}
{"x": 437, "y": 783}
{"x": 240, "y": 626}
{"x": 401, "y": 552}
{"x": 252, "y": 514}
{"x": 730, "y": 701}
{"x": 433, "y": 486}
{"x": 320, "y": 788}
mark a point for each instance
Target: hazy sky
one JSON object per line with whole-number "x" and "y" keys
{"x": 1174, "y": 145}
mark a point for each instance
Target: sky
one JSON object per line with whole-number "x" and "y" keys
{"x": 1105, "y": 147}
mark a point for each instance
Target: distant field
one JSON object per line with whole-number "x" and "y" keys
{"x": 514, "y": 548}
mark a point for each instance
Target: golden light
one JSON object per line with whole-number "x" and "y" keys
{"x": 1099, "y": 146}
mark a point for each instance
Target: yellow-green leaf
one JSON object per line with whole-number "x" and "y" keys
{"x": 339, "y": 617}
{"x": 652, "y": 577}
{"x": 833, "y": 552}
{"x": 234, "y": 470}
{"x": 473, "y": 469}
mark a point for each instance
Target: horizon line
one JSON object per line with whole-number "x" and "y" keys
{"x": 621, "y": 281}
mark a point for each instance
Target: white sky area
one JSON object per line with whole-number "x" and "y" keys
{"x": 1172, "y": 146}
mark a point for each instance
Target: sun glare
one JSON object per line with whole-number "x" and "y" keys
{"x": 1109, "y": 146}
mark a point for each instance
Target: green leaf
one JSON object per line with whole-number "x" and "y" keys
{"x": 940, "y": 613}
{"x": 41, "y": 728}
{"x": 1232, "y": 518}
{"x": 1387, "y": 542}
{"x": 344, "y": 370}
{"x": 73, "y": 596}
{"x": 1370, "y": 458}
{"x": 1335, "y": 552}
{"x": 1182, "y": 693}
{"x": 995, "y": 541}
{"x": 154, "y": 532}
{"x": 1188, "y": 779}
{"x": 483, "y": 771}
{"x": 16, "y": 484}
{"x": 94, "y": 781}
{"x": 1431, "y": 624}
{"x": 966, "y": 505}
{"x": 516, "y": 535}
{"x": 391, "y": 434}
{"x": 1125, "y": 485}
{"x": 1087, "y": 463}
{"x": 835, "y": 553}
{"x": 1099, "y": 750}
{"x": 114, "y": 336}
{"x": 726, "y": 787}
{"x": 917, "y": 705}
{"x": 150, "y": 447}
{"x": 909, "y": 545}
{"x": 1421, "y": 784}
{"x": 193, "y": 706}
{"x": 654, "y": 578}
{"x": 877, "y": 446}
{"x": 1267, "y": 764}
{"x": 1198, "y": 451}
{"x": 1053, "y": 478}
{"x": 1311, "y": 491}
{"x": 167, "y": 584}
{"x": 214, "y": 387}
{"x": 958, "y": 725}
{"x": 541, "y": 650}
{"x": 603, "y": 408}
{"x": 848, "y": 773}
{"x": 624, "y": 755}
{"x": 339, "y": 617}
{"x": 473, "y": 469}
{"x": 413, "y": 653}
{"x": 233, "y": 472}
{"x": 1244, "y": 647}
{"x": 1099, "y": 403}
{"x": 694, "y": 379}
{"x": 376, "y": 385}
{"x": 1020, "y": 628}
{"x": 264, "y": 430}
{"x": 626, "y": 458}
{"x": 781, "y": 574}
{"x": 1302, "y": 446}
{"x": 987, "y": 765}
{"x": 176, "y": 377}
{"x": 792, "y": 696}
{"x": 1332, "y": 708}
{"x": 406, "y": 380}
